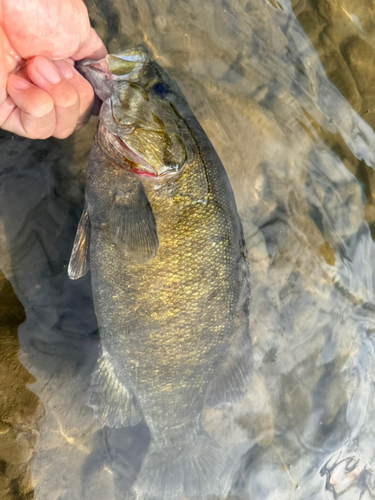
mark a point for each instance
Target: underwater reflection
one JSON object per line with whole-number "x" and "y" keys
{"x": 290, "y": 143}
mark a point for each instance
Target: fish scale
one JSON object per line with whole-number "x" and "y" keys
{"x": 163, "y": 239}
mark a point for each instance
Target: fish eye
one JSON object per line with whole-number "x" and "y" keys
{"x": 161, "y": 89}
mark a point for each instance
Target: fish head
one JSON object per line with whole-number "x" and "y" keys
{"x": 141, "y": 123}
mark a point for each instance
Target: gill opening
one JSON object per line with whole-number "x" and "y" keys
{"x": 209, "y": 190}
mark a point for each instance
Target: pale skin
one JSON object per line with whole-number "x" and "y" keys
{"x": 41, "y": 94}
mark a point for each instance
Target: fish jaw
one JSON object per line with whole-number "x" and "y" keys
{"x": 128, "y": 158}
{"x": 103, "y": 73}
{"x": 98, "y": 74}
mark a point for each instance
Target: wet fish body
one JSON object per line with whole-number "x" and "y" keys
{"x": 162, "y": 237}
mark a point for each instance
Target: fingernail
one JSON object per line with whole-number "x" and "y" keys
{"x": 47, "y": 70}
{"x": 65, "y": 69}
{"x": 19, "y": 83}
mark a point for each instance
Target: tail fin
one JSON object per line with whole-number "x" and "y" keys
{"x": 198, "y": 469}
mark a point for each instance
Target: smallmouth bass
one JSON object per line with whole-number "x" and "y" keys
{"x": 162, "y": 237}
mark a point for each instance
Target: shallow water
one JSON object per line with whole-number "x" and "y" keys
{"x": 300, "y": 157}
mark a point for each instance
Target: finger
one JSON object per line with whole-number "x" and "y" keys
{"x": 9, "y": 61}
{"x": 92, "y": 47}
{"x": 82, "y": 87}
{"x": 6, "y": 109}
{"x": 3, "y": 68}
{"x": 62, "y": 90}
{"x": 34, "y": 114}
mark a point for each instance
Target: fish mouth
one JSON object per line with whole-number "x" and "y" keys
{"x": 103, "y": 73}
{"x": 140, "y": 166}
{"x": 131, "y": 160}
{"x": 136, "y": 164}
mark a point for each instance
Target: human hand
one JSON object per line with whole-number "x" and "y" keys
{"x": 41, "y": 94}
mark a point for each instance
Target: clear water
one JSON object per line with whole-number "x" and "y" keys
{"x": 300, "y": 157}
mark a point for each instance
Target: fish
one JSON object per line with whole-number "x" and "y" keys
{"x": 163, "y": 240}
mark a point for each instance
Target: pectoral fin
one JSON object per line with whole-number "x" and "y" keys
{"x": 113, "y": 404}
{"x": 79, "y": 260}
{"x": 132, "y": 223}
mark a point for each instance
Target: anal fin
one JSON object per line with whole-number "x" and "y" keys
{"x": 113, "y": 404}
